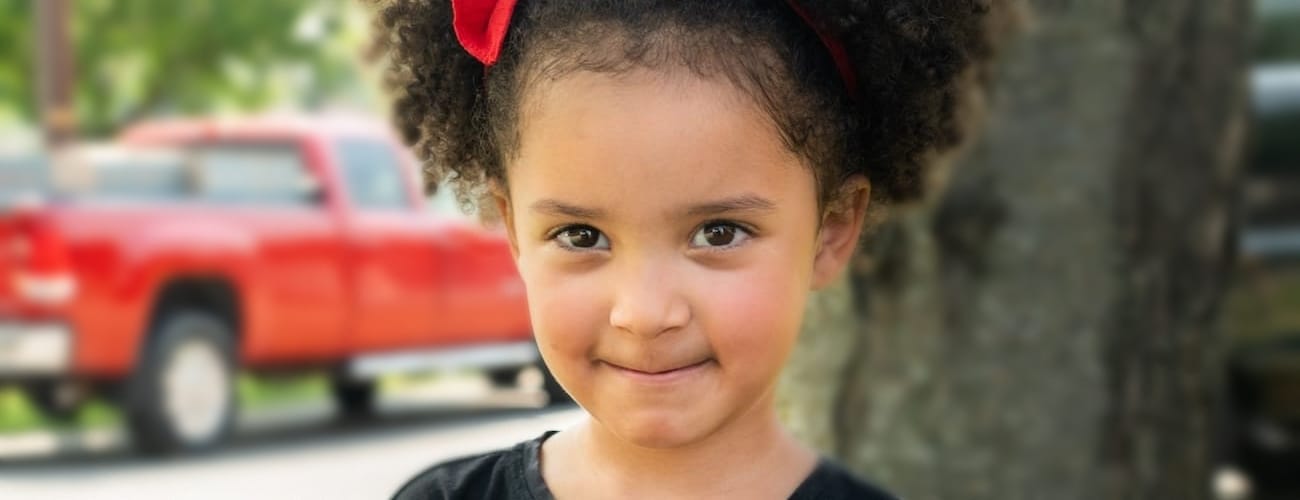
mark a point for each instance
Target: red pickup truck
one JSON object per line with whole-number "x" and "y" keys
{"x": 267, "y": 244}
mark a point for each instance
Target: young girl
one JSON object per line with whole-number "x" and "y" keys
{"x": 675, "y": 176}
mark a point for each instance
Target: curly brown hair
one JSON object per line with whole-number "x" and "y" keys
{"x": 908, "y": 56}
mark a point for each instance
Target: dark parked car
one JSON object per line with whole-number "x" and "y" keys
{"x": 1262, "y": 310}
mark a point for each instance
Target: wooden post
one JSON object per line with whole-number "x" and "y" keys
{"x": 54, "y": 72}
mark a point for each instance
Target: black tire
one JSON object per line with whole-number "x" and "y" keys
{"x": 504, "y": 378}
{"x": 355, "y": 399}
{"x": 44, "y": 395}
{"x": 155, "y": 430}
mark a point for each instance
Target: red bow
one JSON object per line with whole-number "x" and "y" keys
{"x": 833, "y": 46}
{"x": 481, "y": 26}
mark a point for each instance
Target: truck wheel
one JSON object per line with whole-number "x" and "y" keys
{"x": 57, "y": 402}
{"x": 182, "y": 396}
{"x": 504, "y": 378}
{"x": 355, "y": 398}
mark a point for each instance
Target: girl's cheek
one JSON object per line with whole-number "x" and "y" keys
{"x": 756, "y": 298}
{"x": 565, "y": 310}
{"x": 753, "y": 313}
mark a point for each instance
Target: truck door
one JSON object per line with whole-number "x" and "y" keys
{"x": 299, "y": 308}
{"x": 396, "y": 266}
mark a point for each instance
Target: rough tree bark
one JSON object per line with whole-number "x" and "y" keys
{"x": 1044, "y": 327}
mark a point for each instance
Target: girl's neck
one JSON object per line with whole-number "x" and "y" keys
{"x": 751, "y": 455}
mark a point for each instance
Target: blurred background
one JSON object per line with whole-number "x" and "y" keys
{"x": 220, "y": 273}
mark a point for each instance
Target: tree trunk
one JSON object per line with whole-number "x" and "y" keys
{"x": 1043, "y": 328}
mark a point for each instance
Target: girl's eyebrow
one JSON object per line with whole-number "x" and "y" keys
{"x": 742, "y": 203}
{"x": 559, "y": 208}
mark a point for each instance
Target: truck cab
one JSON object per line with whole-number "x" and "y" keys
{"x": 254, "y": 244}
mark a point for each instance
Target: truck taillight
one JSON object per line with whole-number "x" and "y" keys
{"x": 47, "y": 290}
{"x": 40, "y": 272}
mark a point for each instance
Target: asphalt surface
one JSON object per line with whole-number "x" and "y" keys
{"x": 304, "y": 451}
{"x": 300, "y": 451}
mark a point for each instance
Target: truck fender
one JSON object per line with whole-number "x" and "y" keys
{"x": 163, "y": 255}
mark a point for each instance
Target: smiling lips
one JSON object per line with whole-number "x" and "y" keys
{"x": 661, "y": 375}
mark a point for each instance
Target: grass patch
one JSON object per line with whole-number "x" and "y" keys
{"x": 18, "y": 414}
{"x": 261, "y": 392}
{"x": 1263, "y": 303}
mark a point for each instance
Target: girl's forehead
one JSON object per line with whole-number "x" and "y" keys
{"x": 667, "y": 139}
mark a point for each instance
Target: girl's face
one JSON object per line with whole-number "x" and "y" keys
{"x": 667, "y": 240}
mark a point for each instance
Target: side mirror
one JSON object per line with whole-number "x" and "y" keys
{"x": 315, "y": 196}
{"x": 313, "y": 193}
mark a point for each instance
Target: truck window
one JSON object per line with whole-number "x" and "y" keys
{"x": 141, "y": 180}
{"x": 372, "y": 175}
{"x": 258, "y": 174}
{"x": 25, "y": 173}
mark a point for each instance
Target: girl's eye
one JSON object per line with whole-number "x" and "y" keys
{"x": 719, "y": 235}
{"x": 581, "y": 238}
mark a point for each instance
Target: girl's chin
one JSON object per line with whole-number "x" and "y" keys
{"x": 658, "y": 431}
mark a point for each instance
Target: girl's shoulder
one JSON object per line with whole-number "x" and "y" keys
{"x": 515, "y": 473}
{"x": 502, "y": 474}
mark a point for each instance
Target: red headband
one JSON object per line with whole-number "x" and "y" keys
{"x": 481, "y": 27}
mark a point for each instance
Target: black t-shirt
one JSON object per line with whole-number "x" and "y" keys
{"x": 515, "y": 473}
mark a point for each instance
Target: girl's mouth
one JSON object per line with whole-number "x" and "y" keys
{"x": 663, "y": 375}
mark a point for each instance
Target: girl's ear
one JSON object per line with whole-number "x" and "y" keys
{"x": 841, "y": 226}
{"x": 501, "y": 198}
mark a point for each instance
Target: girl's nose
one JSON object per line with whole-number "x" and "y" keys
{"x": 648, "y": 300}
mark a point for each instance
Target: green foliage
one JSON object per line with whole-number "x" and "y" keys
{"x": 149, "y": 57}
{"x": 17, "y": 51}
{"x": 1277, "y": 33}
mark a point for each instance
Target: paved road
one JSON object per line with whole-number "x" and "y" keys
{"x": 295, "y": 452}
